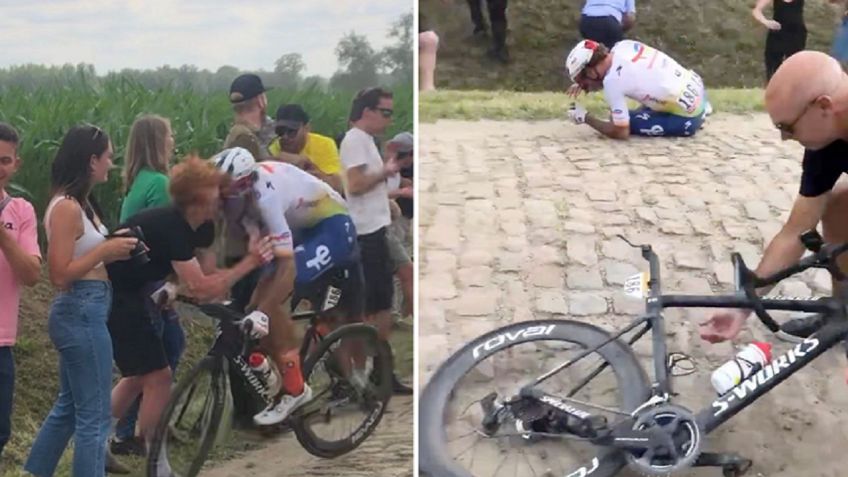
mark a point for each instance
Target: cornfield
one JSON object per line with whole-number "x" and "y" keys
{"x": 199, "y": 121}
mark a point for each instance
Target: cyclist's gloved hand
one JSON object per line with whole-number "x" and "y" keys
{"x": 259, "y": 324}
{"x": 577, "y": 113}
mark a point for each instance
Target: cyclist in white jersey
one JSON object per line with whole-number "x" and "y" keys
{"x": 311, "y": 233}
{"x": 673, "y": 99}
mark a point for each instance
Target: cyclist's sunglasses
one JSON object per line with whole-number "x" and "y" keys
{"x": 386, "y": 112}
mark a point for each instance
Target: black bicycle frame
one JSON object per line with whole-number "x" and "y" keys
{"x": 726, "y": 406}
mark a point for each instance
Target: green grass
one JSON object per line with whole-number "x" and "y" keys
{"x": 506, "y": 105}
{"x": 200, "y": 122}
{"x": 37, "y": 381}
{"x": 719, "y": 39}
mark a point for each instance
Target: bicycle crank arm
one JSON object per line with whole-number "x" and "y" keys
{"x": 630, "y": 439}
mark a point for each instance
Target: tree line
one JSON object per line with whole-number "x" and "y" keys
{"x": 359, "y": 66}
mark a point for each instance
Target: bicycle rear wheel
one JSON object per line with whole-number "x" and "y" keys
{"x": 189, "y": 424}
{"x": 328, "y": 425}
{"x": 455, "y": 442}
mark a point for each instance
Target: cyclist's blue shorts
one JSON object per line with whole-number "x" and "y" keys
{"x": 328, "y": 244}
{"x": 647, "y": 122}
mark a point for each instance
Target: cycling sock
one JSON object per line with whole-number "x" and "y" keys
{"x": 292, "y": 377}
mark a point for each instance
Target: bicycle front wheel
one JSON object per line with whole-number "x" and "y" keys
{"x": 457, "y": 437}
{"x": 189, "y": 424}
{"x": 350, "y": 374}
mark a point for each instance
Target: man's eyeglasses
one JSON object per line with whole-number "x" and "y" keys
{"x": 283, "y": 131}
{"x": 386, "y": 112}
{"x": 789, "y": 128}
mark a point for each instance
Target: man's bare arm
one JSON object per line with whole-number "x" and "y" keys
{"x": 785, "y": 249}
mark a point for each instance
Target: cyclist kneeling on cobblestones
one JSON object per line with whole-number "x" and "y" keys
{"x": 673, "y": 98}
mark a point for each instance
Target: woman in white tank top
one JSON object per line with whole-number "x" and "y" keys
{"x": 76, "y": 251}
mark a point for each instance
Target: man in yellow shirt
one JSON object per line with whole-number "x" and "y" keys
{"x": 296, "y": 139}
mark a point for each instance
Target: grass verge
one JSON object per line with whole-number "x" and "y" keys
{"x": 508, "y": 105}
{"x": 36, "y": 381}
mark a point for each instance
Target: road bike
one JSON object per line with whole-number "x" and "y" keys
{"x": 643, "y": 429}
{"x": 190, "y": 424}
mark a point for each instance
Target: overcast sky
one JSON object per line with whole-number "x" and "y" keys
{"x": 249, "y": 35}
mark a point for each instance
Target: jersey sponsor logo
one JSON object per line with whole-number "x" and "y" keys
{"x": 322, "y": 258}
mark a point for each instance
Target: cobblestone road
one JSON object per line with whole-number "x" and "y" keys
{"x": 519, "y": 221}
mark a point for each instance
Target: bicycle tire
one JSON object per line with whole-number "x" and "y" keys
{"x": 209, "y": 364}
{"x": 633, "y": 389}
{"x": 382, "y": 366}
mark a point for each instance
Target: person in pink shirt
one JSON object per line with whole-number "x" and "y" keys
{"x": 20, "y": 264}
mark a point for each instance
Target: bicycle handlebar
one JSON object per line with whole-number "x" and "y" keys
{"x": 824, "y": 256}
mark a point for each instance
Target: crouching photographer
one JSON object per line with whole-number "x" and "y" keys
{"x": 174, "y": 239}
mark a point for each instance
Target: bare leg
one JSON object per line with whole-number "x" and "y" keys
{"x": 124, "y": 393}
{"x": 428, "y": 45}
{"x": 405, "y": 274}
{"x": 157, "y": 390}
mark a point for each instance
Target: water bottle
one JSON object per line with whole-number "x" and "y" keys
{"x": 748, "y": 361}
{"x": 260, "y": 365}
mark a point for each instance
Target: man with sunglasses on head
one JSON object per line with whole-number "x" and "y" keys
{"x": 673, "y": 98}
{"x": 807, "y": 100}
{"x": 367, "y": 194}
{"x": 297, "y": 144}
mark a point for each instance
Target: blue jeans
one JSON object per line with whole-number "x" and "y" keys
{"x": 7, "y": 390}
{"x": 77, "y": 328}
{"x": 173, "y": 338}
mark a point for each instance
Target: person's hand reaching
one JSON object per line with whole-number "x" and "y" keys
{"x": 723, "y": 325}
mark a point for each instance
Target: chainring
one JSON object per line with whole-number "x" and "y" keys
{"x": 681, "y": 425}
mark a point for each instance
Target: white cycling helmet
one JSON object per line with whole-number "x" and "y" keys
{"x": 237, "y": 162}
{"x": 579, "y": 57}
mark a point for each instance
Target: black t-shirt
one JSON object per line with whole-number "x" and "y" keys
{"x": 168, "y": 237}
{"x": 822, "y": 168}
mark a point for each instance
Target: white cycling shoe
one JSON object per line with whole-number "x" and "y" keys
{"x": 280, "y": 410}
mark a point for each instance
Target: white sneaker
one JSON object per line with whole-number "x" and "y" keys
{"x": 279, "y": 411}
{"x": 708, "y": 110}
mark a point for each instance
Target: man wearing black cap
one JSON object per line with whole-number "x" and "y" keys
{"x": 253, "y": 129}
{"x": 296, "y": 143}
